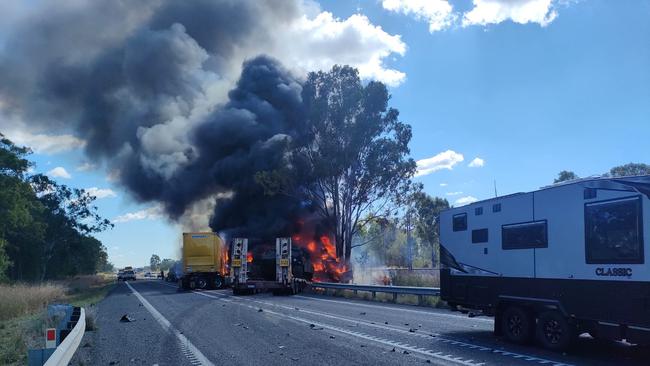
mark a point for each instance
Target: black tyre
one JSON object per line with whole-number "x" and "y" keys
{"x": 554, "y": 331}
{"x": 201, "y": 283}
{"x": 218, "y": 282}
{"x": 517, "y": 325}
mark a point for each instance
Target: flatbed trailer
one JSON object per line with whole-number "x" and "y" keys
{"x": 284, "y": 283}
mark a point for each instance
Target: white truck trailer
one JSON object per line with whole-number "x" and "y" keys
{"x": 554, "y": 263}
{"x": 284, "y": 281}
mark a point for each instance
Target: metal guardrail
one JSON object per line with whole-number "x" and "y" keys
{"x": 395, "y": 290}
{"x": 64, "y": 352}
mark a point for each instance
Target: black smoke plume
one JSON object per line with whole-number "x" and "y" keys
{"x": 145, "y": 85}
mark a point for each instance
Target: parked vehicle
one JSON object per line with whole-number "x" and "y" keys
{"x": 126, "y": 276}
{"x": 554, "y": 263}
{"x": 175, "y": 272}
{"x": 203, "y": 261}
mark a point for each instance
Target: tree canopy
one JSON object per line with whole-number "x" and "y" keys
{"x": 352, "y": 164}
{"x": 630, "y": 169}
{"x": 45, "y": 227}
{"x": 564, "y": 176}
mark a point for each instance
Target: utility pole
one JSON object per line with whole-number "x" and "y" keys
{"x": 409, "y": 240}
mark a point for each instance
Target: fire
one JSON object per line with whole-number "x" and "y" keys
{"x": 328, "y": 246}
{"x": 322, "y": 251}
{"x": 249, "y": 257}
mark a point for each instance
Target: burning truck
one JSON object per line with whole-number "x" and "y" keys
{"x": 284, "y": 265}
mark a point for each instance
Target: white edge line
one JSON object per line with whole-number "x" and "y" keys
{"x": 432, "y": 313}
{"x": 170, "y": 328}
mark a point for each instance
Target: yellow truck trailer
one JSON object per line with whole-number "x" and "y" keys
{"x": 204, "y": 261}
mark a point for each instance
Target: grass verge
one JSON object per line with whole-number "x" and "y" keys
{"x": 23, "y": 323}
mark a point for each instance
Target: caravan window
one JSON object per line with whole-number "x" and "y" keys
{"x": 460, "y": 222}
{"x": 525, "y": 235}
{"x": 480, "y": 236}
{"x": 613, "y": 231}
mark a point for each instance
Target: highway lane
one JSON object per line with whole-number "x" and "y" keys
{"x": 247, "y": 330}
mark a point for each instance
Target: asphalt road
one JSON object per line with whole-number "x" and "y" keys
{"x": 214, "y": 327}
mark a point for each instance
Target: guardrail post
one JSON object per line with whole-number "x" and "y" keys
{"x": 355, "y": 292}
{"x": 395, "y": 297}
{"x": 374, "y": 295}
{"x": 420, "y": 299}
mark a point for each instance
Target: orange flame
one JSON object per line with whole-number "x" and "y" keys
{"x": 249, "y": 257}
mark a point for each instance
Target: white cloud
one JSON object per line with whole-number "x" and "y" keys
{"x": 151, "y": 213}
{"x": 101, "y": 192}
{"x": 45, "y": 144}
{"x": 321, "y": 41}
{"x": 438, "y": 13}
{"x": 487, "y": 12}
{"x": 476, "y": 163}
{"x": 86, "y": 166}
{"x": 465, "y": 201}
{"x": 444, "y": 160}
{"x": 59, "y": 172}
{"x": 454, "y": 193}
{"x": 443, "y": 184}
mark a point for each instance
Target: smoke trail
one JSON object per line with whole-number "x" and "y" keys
{"x": 146, "y": 84}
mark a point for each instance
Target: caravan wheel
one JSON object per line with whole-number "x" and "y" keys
{"x": 517, "y": 325}
{"x": 554, "y": 331}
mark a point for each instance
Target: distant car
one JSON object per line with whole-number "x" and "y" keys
{"x": 126, "y": 276}
{"x": 147, "y": 274}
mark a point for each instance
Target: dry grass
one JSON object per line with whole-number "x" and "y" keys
{"x": 21, "y": 299}
{"x": 416, "y": 278}
{"x": 23, "y": 317}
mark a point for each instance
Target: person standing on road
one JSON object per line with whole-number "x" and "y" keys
{"x": 162, "y": 274}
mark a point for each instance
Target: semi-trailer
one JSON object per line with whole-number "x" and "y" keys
{"x": 203, "y": 262}
{"x": 281, "y": 269}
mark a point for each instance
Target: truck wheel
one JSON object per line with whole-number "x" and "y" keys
{"x": 516, "y": 325}
{"x": 201, "y": 283}
{"x": 554, "y": 331}
{"x": 218, "y": 282}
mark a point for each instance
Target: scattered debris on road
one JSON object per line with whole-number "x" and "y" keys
{"x": 126, "y": 319}
{"x": 411, "y": 330}
{"x": 362, "y": 313}
{"x": 332, "y": 337}
{"x": 405, "y": 352}
{"x": 260, "y": 310}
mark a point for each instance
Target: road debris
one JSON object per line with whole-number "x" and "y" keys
{"x": 406, "y": 352}
{"x": 332, "y": 337}
{"x": 260, "y": 310}
{"x": 411, "y": 330}
{"x": 362, "y": 313}
{"x": 126, "y": 319}
{"x": 393, "y": 350}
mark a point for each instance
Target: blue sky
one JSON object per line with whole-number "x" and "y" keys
{"x": 528, "y": 100}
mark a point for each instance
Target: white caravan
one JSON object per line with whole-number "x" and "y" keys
{"x": 554, "y": 263}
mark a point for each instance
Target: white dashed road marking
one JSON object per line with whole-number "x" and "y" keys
{"x": 189, "y": 350}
